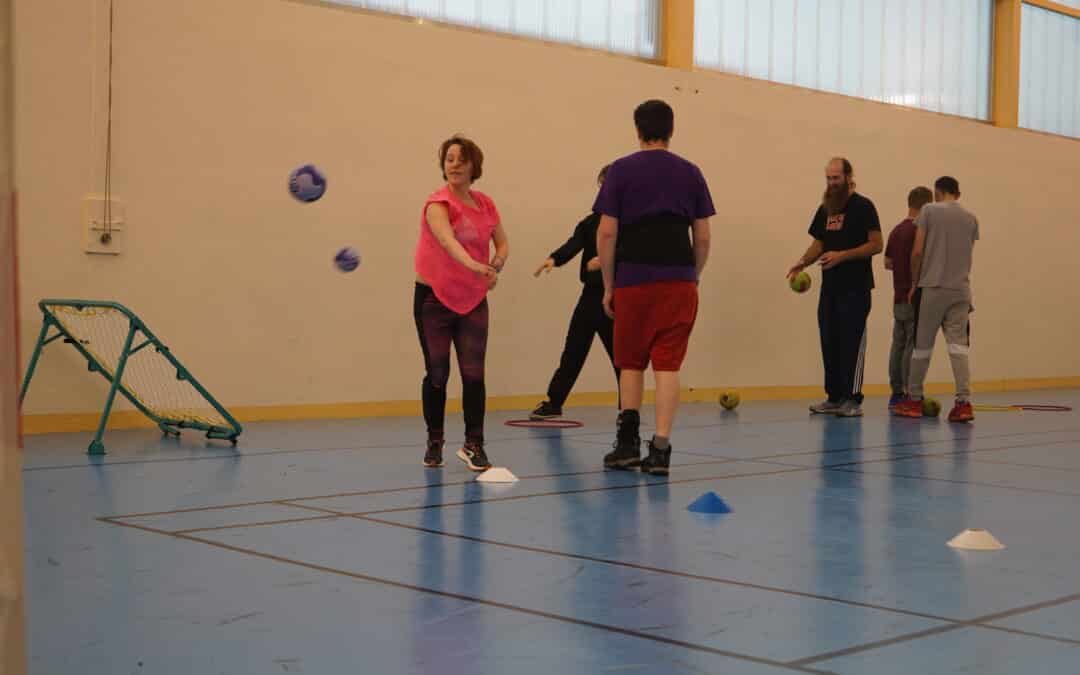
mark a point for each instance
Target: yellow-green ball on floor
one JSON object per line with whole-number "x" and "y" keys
{"x": 800, "y": 283}
{"x": 729, "y": 399}
{"x": 931, "y": 407}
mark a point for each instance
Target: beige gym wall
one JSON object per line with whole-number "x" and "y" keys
{"x": 215, "y": 102}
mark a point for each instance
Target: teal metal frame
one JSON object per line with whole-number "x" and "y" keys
{"x": 135, "y": 327}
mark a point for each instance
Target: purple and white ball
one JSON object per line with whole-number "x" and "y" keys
{"x": 307, "y": 183}
{"x": 347, "y": 259}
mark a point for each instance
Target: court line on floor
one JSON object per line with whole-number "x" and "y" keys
{"x": 955, "y": 453}
{"x": 327, "y": 514}
{"x": 231, "y": 453}
{"x": 634, "y": 566}
{"x": 889, "y": 446}
{"x": 480, "y": 500}
{"x": 404, "y": 488}
{"x": 1024, "y": 465}
{"x": 719, "y": 460}
{"x": 223, "y": 453}
{"x": 848, "y": 468}
{"x": 1013, "y": 488}
{"x": 482, "y": 601}
{"x": 845, "y": 466}
{"x": 716, "y": 459}
{"x": 980, "y": 622}
{"x": 330, "y": 514}
{"x": 700, "y": 577}
{"x": 977, "y": 622}
{"x": 228, "y": 454}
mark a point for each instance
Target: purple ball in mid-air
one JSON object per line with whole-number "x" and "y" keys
{"x": 307, "y": 183}
{"x": 347, "y": 259}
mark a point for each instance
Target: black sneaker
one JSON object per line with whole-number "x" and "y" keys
{"x": 545, "y": 411}
{"x": 627, "y": 446}
{"x": 472, "y": 453}
{"x": 658, "y": 461}
{"x": 626, "y": 455}
{"x": 826, "y": 407}
{"x": 433, "y": 457}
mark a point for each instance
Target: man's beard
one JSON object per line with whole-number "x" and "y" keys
{"x": 836, "y": 198}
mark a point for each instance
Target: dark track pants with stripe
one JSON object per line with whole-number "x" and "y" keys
{"x": 842, "y": 322}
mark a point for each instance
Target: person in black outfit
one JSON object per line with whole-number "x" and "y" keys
{"x": 846, "y": 234}
{"x": 588, "y": 319}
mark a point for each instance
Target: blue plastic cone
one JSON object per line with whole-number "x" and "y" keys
{"x": 709, "y": 502}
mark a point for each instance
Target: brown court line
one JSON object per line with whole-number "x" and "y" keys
{"x": 800, "y": 665}
{"x": 226, "y": 454}
{"x": 977, "y": 622}
{"x": 1028, "y": 466}
{"x": 887, "y": 446}
{"x": 406, "y": 488}
{"x": 953, "y": 453}
{"x": 844, "y": 466}
{"x": 329, "y": 514}
{"x": 479, "y": 500}
{"x": 794, "y": 469}
{"x": 765, "y": 459}
{"x": 481, "y": 601}
{"x": 955, "y": 481}
{"x": 366, "y": 516}
{"x": 719, "y": 460}
{"x": 671, "y": 572}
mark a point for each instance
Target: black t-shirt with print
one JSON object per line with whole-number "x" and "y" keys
{"x": 848, "y": 229}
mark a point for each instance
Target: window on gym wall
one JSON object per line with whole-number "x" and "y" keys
{"x": 622, "y": 26}
{"x": 1049, "y": 71}
{"x": 929, "y": 54}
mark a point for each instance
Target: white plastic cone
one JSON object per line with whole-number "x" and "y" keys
{"x": 976, "y": 540}
{"x": 497, "y": 475}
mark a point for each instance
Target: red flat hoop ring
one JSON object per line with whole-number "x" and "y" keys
{"x": 545, "y": 424}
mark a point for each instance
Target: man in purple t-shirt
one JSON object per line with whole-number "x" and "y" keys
{"x": 653, "y": 241}
{"x": 898, "y": 259}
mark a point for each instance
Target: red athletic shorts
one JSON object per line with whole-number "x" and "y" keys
{"x": 653, "y": 322}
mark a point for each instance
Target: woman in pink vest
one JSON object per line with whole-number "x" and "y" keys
{"x": 453, "y": 277}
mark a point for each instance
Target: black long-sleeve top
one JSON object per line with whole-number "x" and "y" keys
{"x": 582, "y": 241}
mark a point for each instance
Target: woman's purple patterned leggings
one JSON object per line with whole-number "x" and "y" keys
{"x": 438, "y": 327}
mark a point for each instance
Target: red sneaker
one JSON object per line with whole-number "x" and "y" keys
{"x": 909, "y": 407}
{"x": 962, "y": 412}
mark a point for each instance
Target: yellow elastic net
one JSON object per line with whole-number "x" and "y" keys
{"x": 148, "y": 375}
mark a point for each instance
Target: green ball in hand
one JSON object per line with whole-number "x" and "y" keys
{"x": 800, "y": 283}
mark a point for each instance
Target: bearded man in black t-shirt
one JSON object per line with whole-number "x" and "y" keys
{"x": 847, "y": 234}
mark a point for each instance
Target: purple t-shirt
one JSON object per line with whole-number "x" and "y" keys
{"x": 656, "y": 196}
